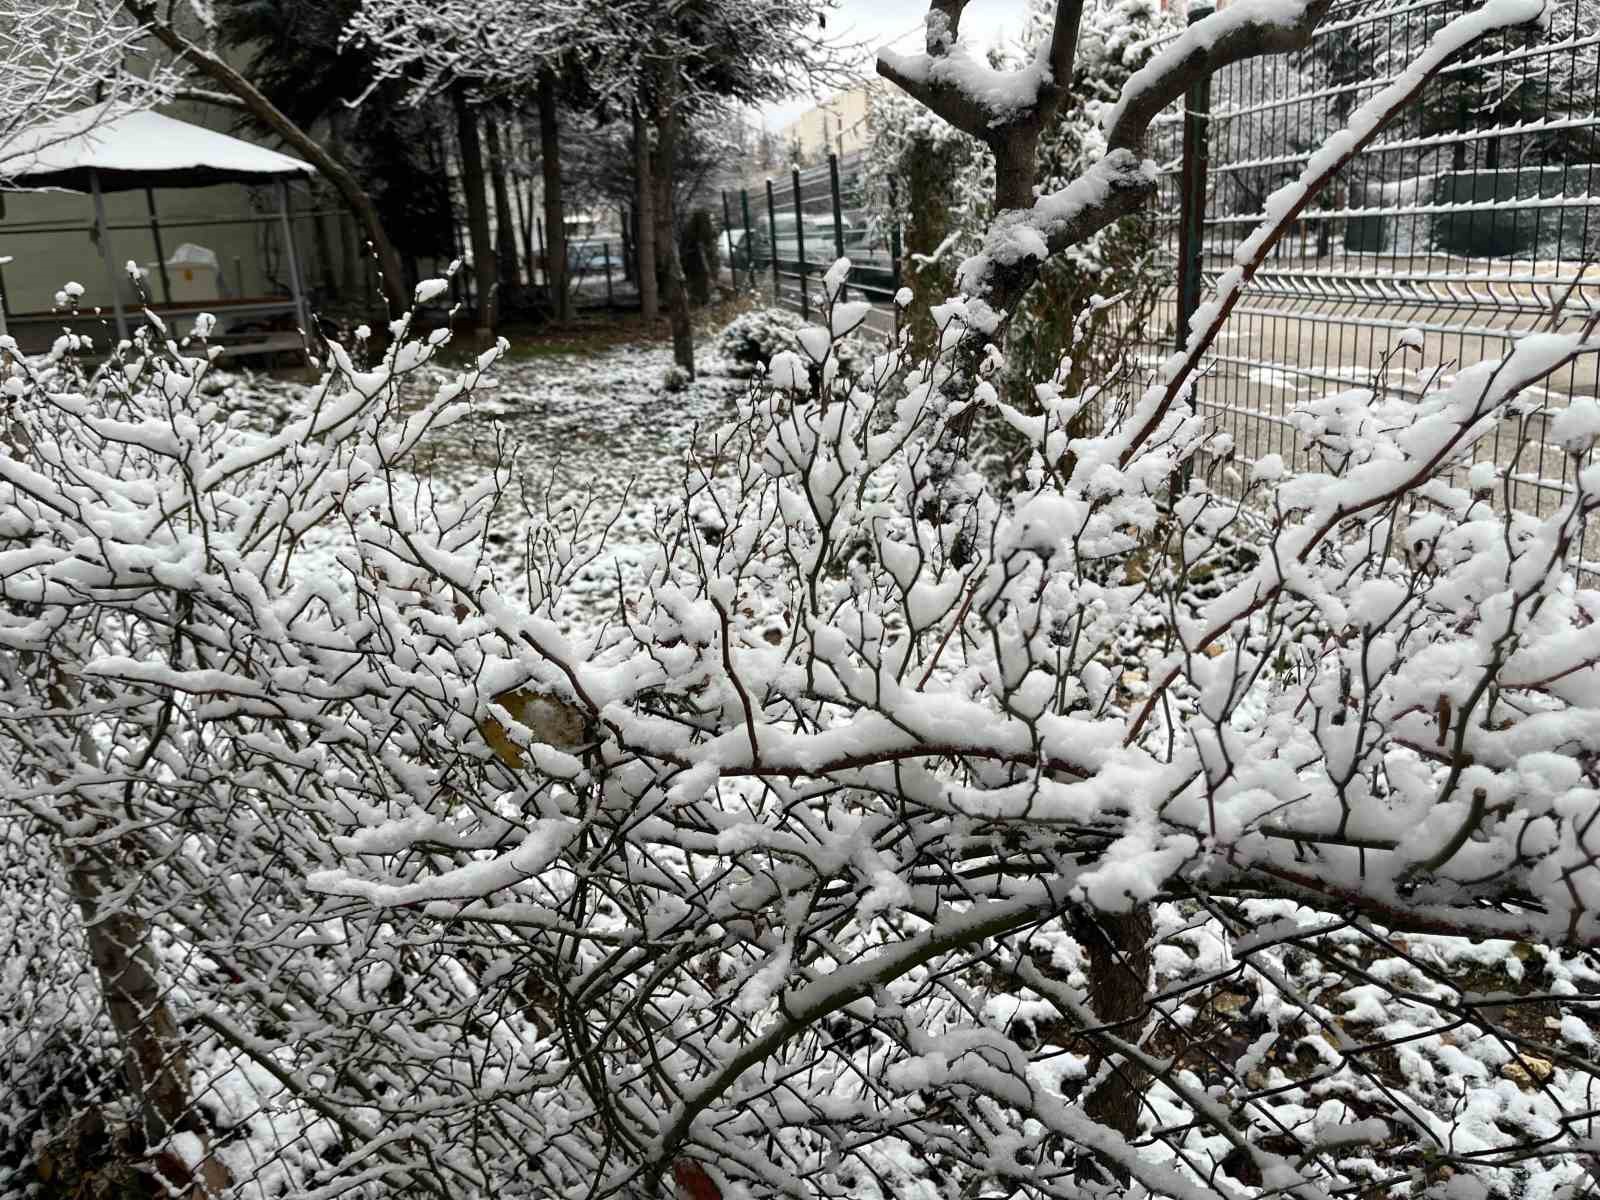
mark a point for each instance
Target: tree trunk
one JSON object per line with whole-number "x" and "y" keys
{"x": 155, "y": 1063}
{"x": 263, "y": 110}
{"x": 674, "y": 292}
{"x": 530, "y": 249}
{"x": 519, "y": 198}
{"x": 555, "y": 222}
{"x": 1016, "y": 168}
{"x": 349, "y": 255}
{"x": 119, "y": 945}
{"x": 505, "y": 219}
{"x": 484, "y": 274}
{"x": 1117, "y": 946}
{"x": 645, "y": 243}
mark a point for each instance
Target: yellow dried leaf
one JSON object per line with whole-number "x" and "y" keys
{"x": 551, "y": 720}
{"x": 1528, "y": 1071}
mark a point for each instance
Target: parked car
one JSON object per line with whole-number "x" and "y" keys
{"x": 592, "y": 255}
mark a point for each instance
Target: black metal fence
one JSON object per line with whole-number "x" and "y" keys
{"x": 786, "y": 235}
{"x": 1472, "y": 220}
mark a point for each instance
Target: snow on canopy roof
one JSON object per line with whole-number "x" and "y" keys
{"x": 135, "y": 150}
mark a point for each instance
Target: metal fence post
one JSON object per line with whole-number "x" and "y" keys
{"x": 800, "y": 244}
{"x": 1192, "y": 192}
{"x": 727, "y": 229}
{"x": 161, "y": 254}
{"x": 838, "y": 213}
{"x": 772, "y": 244}
{"x": 749, "y": 245}
{"x": 894, "y": 231}
{"x": 627, "y": 250}
{"x": 1191, "y": 221}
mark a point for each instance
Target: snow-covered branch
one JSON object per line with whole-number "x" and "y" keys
{"x": 60, "y": 56}
{"x": 798, "y": 871}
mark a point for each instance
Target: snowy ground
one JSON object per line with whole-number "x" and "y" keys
{"x": 598, "y": 428}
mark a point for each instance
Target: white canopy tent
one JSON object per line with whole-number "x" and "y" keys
{"x": 97, "y": 150}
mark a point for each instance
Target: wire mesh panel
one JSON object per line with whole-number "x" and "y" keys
{"x": 1470, "y": 221}
{"x": 815, "y": 216}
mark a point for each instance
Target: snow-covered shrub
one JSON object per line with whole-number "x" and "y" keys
{"x": 154, "y": 808}
{"x": 751, "y": 339}
{"x": 676, "y": 379}
{"x": 810, "y": 869}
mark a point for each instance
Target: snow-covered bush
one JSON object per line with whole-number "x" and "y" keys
{"x": 676, "y": 379}
{"x": 163, "y": 567}
{"x": 751, "y": 339}
{"x": 812, "y": 870}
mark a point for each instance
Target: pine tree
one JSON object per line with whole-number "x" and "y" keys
{"x": 302, "y": 62}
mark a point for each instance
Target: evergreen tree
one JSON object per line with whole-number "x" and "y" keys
{"x": 303, "y": 63}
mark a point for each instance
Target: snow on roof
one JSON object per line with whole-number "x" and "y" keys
{"x": 135, "y": 150}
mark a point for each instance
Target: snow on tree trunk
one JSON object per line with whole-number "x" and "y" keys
{"x": 155, "y": 1062}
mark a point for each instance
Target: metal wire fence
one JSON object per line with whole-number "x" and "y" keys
{"x": 1467, "y": 224}
{"x": 785, "y": 236}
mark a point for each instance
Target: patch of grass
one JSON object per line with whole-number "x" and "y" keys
{"x": 597, "y": 332}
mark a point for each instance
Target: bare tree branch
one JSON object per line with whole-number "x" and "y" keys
{"x": 1245, "y": 29}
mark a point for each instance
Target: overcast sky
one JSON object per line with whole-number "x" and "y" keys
{"x": 900, "y": 22}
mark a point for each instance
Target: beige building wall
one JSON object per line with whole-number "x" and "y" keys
{"x": 838, "y": 124}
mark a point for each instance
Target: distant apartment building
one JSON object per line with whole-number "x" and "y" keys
{"x": 838, "y": 124}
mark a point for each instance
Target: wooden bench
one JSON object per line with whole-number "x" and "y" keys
{"x": 257, "y": 343}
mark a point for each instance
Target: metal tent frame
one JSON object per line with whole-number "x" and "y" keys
{"x": 97, "y": 151}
